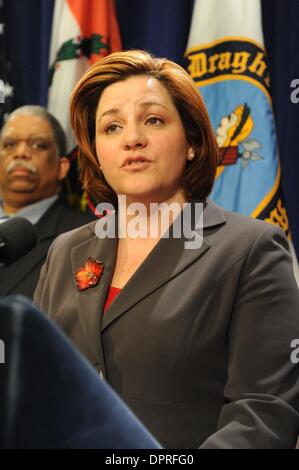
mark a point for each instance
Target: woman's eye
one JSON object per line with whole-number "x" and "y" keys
{"x": 153, "y": 121}
{"x": 111, "y": 129}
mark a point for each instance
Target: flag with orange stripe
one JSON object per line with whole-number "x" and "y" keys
{"x": 83, "y": 31}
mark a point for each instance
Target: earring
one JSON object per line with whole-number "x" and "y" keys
{"x": 191, "y": 153}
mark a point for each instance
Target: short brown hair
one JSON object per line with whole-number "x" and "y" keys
{"x": 199, "y": 173}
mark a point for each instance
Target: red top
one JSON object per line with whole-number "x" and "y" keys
{"x": 113, "y": 292}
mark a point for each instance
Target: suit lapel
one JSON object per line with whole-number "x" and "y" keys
{"x": 90, "y": 303}
{"x": 167, "y": 260}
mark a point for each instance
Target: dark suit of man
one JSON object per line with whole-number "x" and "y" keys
{"x": 198, "y": 342}
{"x": 21, "y": 277}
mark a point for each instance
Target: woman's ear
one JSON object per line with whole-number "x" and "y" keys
{"x": 191, "y": 153}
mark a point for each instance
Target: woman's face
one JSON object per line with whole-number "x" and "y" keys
{"x": 140, "y": 141}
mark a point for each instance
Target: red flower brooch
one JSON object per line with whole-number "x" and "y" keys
{"x": 89, "y": 275}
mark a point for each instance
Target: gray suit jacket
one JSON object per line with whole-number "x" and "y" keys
{"x": 198, "y": 343}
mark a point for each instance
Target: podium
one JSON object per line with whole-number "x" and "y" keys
{"x": 50, "y": 397}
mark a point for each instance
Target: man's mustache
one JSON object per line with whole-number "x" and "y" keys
{"x": 21, "y": 164}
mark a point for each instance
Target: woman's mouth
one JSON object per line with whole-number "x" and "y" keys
{"x": 136, "y": 164}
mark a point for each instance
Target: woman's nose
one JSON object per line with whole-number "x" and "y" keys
{"x": 134, "y": 137}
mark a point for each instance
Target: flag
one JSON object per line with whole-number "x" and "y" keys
{"x": 282, "y": 42}
{"x": 6, "y": 87}
{"x": 28, "y": 49}
{"x": 83, "y": 31}
{"x": 159, "y": 27}
{"x": 227, "y": 60}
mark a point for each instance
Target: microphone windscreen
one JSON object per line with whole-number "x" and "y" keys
{"x": 17, "y": 237}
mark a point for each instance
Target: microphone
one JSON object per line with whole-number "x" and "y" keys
{"x": 17, "y": 237}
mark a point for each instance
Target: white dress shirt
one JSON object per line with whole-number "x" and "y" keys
{"x": 33, "y": 212}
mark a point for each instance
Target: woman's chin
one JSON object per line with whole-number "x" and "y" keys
{"x": 140, "y": 192}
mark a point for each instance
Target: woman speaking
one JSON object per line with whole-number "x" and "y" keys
{"x": 197, "y": 338}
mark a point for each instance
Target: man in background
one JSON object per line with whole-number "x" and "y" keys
{"x": 32, "y": 168}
